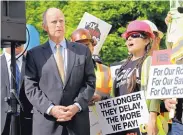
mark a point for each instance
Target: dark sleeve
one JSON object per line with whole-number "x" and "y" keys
{"x": 88, "y": 88}
{"x": 105, "y": 97}
{"x": 116, "y": 91}
{"x": 162, "y": 107}
{"x": 34, "y": 94}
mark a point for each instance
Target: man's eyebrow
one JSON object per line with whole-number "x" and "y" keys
{"x": 61, "y": 19}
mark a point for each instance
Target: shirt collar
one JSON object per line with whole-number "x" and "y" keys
{"x": 62, "y": 43}
{"x": 8, "y": 56}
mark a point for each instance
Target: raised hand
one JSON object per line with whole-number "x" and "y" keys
{"x": 168, "y": 18}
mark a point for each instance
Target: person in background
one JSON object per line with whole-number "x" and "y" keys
{"x": 103, "y": 83}
{"x": 158, "y": 36}
{"x": 139, "y": 38}
{"x": 25, "y": 117}
{"x": 102, "y": 72}
{"x": 59, "y": 81}
{"x": 162, "y": 120}
{"x": 177, "y": 58}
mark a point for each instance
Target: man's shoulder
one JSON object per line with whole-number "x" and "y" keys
{"x": 38, "y": 48}
{"x": 2, "y": 56}
{"x": 77, "y": 45}
{"x": 78, "y": 48}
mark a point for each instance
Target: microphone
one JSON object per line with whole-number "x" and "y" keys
{"x": 180, "y": 9}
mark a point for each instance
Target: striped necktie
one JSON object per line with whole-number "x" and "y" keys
{"x": 18, "y": 75}
{"x": 60, "y": 63}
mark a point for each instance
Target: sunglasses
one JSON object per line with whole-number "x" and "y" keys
{"x": 136, "y": 35}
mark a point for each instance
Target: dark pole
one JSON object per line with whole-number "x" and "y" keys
{"x": 13, "y": 101}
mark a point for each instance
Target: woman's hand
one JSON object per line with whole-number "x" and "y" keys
{"x": 170, "y": 104}
{"x": 168, "y": 18}
{"x": 152, "y": 128}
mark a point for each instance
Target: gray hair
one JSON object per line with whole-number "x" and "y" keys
{"x": 44, "y": 15}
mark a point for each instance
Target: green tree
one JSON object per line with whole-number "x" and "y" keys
{"x": 34, "y": 12}
{"x": 116, "y": 13}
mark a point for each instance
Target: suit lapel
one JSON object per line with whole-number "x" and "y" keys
{"x": 47, "y": 53}
{"x": 6, "y": 77}
{"x": 70, "y": 60}
{"x": 22, "y": 70}
{"x": 47, "y": 50}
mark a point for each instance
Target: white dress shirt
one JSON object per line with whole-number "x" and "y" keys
{"x": 8, "y": 61}
{"x": 63, "y": 51}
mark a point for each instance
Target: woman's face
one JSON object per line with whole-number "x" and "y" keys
{"x": 136, "y": 43}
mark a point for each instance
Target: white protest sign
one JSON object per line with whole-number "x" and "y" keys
{"x": 98, "y": 29}
{"x": 122, "y": 113}
{"x": 175, "y": 28}
{"x": 165, "y": 81}
{"x": 114, "y": 67}
{"x": 94, "y": 121}
{"x": 114, "y": 70}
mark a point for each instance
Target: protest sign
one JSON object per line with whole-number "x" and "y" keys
{"x": 135, "y": 131}
{"x": 114, "y": 71}
{"x": 161, "y": 57}
{"x": 94, "y": 121}
{"x": 98, "y": 29}
{"x": 114, "y": 67}
{"x": 165, "y": 81}
{"x": 122, "y": 113}
{"x": 175, "y": 28}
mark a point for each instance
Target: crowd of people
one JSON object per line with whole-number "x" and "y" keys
{"x": 58, "y": 80}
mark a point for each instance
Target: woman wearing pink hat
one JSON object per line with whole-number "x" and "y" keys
{"x": 138, "y": 41}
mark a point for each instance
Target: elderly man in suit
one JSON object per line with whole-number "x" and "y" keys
{"x": 60, "y": 80}
{"x": 25, "y": 123}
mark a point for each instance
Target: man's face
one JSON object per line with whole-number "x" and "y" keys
{"x": 55, "y": 24}
{"x": 18, "y": 50}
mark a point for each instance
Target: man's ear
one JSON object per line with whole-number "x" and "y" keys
{"x": 45, "y": 28}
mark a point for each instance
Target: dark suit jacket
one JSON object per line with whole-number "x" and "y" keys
{"x": 44, "y": 87}
{"x": 5, "y": 92}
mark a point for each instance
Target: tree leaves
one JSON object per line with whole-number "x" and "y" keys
{"x": 116, "y": 13}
